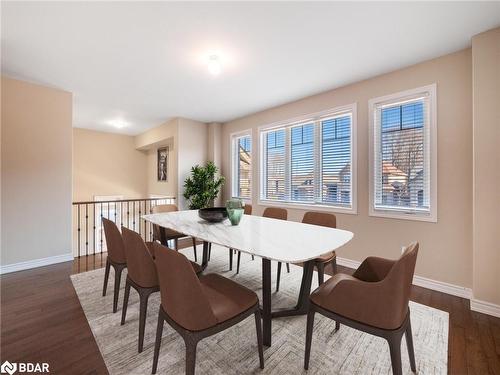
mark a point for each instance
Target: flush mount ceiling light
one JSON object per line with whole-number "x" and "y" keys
{"x": 214, "y": 66}
{"x": 119, "y": 124}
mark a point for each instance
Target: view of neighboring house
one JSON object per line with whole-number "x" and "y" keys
{"x": 245, "y": 167}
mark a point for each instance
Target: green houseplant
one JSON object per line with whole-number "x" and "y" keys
{"x": 202, "y": 187}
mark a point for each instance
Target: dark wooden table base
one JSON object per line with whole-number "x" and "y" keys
{"x": 302, "y": 306}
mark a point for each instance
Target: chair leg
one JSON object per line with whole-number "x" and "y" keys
{"x": 194, "y": 249}
{"x": 190, "y": 356}
{"x": 106, "y": 277}
{"x": 288, "y": 268}
{"x": 395, "y": 349}
{"x": 258, "y": 327}
{"x": 337, "y": 326}
{"x": 209, "y": 250}
{"x": 409, "y": 345}
{"x": 253, "y": 258}
{"x": 321, "y": 272}
{"x": 309, "y": 332}
{"x": 278, "y": 277}
{"x": 238, "y": 262}
{"x": 230, "y": 259}
{"x": 159, "y": 332}
{"x": 118, "y": 278}
{"x": 125, "y": 302}
{"x": 143, "y": 308}
{"x": 176, "y": 244}
{"x": 334, "y": 265}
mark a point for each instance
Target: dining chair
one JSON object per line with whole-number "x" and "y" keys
{"x": 199, "y": 307}
{"x": 163, "y": 235}
{"x": 373, "y": 300}
{"x": 141, "y": 276}
{"x": 325, "y": 220}
{"x": 116, "y": 258}
{"x": 280, "y": 214}
{"x": 247, "y": 210}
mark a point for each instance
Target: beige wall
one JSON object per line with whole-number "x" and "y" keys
{"x": 107, "y": 164}
{"x": 168, "y": 187}
{"x": 192, "y": 150}
{"x": 36, "y": 172}
{"x": 215, "y": 150}
{"x": 188, "y": 146}
{"x": 157, "y": 135}
{"x": 486, "y": 222}
{"x": 165, "y": 134}
{"x": 445, "y": 253}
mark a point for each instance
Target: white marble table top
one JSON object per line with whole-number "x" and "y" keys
{"x": 279, "y": 240}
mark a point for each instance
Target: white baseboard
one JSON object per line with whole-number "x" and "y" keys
{"x": 354, "y": 264}
{"x": 424, "y": 282}
{"x": 485, "y": 307}
{"x": 8, "y": 268}
{"x": 440, "y": 286}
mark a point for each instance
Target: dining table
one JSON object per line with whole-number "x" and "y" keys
{"x": 266, "y": 238}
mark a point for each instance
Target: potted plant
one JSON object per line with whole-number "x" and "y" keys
{"x": 203, "y": 186}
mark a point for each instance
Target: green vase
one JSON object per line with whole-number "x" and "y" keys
{"x": 234, "y": 209}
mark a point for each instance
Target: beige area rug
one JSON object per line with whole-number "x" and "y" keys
{"x": 234, "y": 351}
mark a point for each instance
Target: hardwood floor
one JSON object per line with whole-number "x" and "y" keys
{"x": 42, "y": 321}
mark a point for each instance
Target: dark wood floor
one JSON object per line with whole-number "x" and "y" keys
{"x": 42, "y": 321}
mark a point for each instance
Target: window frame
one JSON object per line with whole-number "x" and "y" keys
{"x": 315, "y": 118}
{"x": 233, "y": 137}
{"x": 404, "y": 213}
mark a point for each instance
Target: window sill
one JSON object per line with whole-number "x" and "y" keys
{"x": 306, "y": 206}
{"x": 402, "y": 215}
{"x": 244, "y": 200}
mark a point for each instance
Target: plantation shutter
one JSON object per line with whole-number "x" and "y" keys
{"x": 402, "y": 155}
{"x": 309, "y": 161}
{"x": 243, "y": 162}
{"x": 302, "y": 163}
{"x": 275, "y": 157}
{"x": 336, "y": 160}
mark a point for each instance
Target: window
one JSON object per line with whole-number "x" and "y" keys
{"x": 309, "y": 162}
{"x": 403, "y": 155}
{"x": 275, "y": 164}
{"x": 335, "y": 162}
{"x": 242, "y": 166}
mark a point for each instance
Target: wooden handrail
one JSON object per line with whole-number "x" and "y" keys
{"x": 124, "y": 200}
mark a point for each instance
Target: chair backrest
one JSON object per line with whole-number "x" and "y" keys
{"x": 320, "y": 218}
{"x": 140, "y": 264}
{"x": 157, "y": 230}
{"x": 114, "y": 241}
{"x": 247, "y": 210}
{"x": 398, "y": 281}
{"x": 164, "y": 208}
{"x": 275, "y": 213}
{"x": 182, "y": 295}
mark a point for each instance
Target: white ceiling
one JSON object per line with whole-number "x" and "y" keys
{"x": 143, "y": 63}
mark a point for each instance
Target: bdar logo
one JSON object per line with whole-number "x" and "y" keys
{"x": 8, "y": 368}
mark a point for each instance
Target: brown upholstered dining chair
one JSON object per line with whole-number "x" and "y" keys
{"x": 116, "y": 258}
{"x": 247, "y": 210}
{"x": 163, "y": 235}
{"x": 374, "y": 300}
{"x": 325, "y": 220}
{"x": 200, "y": 307}
{"x": 141, "y": 276}
{"x": 280, "y": 214}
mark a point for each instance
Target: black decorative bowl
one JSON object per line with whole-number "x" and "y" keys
{"x": 213, "y": 214}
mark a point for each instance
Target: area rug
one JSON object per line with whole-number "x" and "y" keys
{"x": 234, "y": 351}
